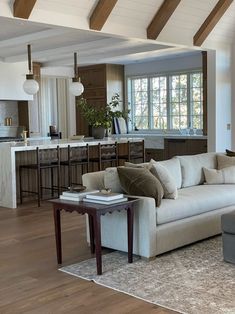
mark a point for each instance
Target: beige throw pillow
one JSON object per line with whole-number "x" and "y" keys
{"x": 140, "y": 182}
{"x": 173, "y": 166}
{"x": 225, "y": 161}
{"x": 223, "y": 176}
{"x": 166, "y": 179}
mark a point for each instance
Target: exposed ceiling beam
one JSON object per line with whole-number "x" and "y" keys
{"x": 161, "y": 17}
{"x": 210, "y": 22}
{"x": 101, "y": 13}
{"x": 23, "y": 8}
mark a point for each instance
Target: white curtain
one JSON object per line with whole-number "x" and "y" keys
{"x": 57, "y": 106}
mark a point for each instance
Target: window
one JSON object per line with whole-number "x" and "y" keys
{"x": 170, "y": 101}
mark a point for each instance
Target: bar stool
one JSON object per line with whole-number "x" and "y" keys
{"x": 107, "y": 153}
{"x": 135, "y": 152}
{"x": 45, "y": 159}
{"x": 77, "y": 156}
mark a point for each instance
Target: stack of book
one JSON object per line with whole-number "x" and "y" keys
{"x": 76, "y": 196}
{"x": 107, "y": 199}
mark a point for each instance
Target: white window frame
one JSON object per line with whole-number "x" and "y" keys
{"x": 168, "y": 75}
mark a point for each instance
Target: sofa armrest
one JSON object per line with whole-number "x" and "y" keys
{"x": 145, "y": 222}
{"x": 93, "y": 180}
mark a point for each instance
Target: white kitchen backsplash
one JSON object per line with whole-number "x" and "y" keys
{"x": 9, "y": 109}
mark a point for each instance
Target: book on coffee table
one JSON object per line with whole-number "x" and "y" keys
{"x": 104, "y": 197}
{"x": 76, "y": 196}
{"x": 115, "y": 201}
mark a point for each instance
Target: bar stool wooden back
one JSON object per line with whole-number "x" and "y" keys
{"x": 77, "y": 156}
{"x": 45, "y": 159}
{"x": 135, "y": 152}
{"x": 107, "y": 155}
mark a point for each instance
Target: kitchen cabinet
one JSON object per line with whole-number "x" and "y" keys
{"x": 100, "y": 83}
{"x": 156, "y": 154}
{"x": 183, "y": 146}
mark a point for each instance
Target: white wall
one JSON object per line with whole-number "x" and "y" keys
{"x": 165, "y": 65}
{"x": 12, "y": 77}
{"x": 219, "y": 98}
{"x": 57, "y": 71}
{"x": 233, "y": 99}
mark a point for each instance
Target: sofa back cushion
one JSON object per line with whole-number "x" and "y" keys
{"x": 192, "y": 167}
{"x": 225, "y": 161}
{"x": 173, "y": 166}
{"x": 111, "y": 180}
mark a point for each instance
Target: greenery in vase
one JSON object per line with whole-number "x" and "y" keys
{"x": 103, "y": 116}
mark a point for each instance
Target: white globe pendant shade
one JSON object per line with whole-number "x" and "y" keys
{"x": 76, "y": 88}
{"x": 30, "y": 86}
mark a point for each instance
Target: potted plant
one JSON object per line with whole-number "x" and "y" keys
{"x": 100, "y": 119}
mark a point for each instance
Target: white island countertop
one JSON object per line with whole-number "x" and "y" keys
{"x": 63, "y": 143}
{"x": 8, "y": 151}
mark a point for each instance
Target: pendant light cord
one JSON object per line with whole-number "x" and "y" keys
{"x": 29, "y": 58}
{"x": 75, "y": 65}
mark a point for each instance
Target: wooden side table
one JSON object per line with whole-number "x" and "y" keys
{"x": 94, "y": 212}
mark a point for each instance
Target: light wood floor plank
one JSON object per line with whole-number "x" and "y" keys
{"x": 30, "y": 282}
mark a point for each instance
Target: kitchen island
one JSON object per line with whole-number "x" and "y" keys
{"x": 10, "y": 159}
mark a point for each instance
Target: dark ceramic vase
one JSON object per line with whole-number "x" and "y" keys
{"x": 98, "y": 132}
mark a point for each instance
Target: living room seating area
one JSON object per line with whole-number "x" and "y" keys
{"x": 190, "y": 210}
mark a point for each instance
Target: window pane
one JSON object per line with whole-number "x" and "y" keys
{"x": 196, "y": 98}
{"x": 179, "y": 101}
{"x": 158, "y": 102}
{"x": 139, "y": 103}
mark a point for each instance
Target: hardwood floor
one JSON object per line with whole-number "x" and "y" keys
{"x": 29, "y": 279}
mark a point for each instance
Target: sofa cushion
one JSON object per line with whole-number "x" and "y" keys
{"x": 195, "y": 200}
{"x": 140, "y": 182}
{"x": 111, "y": 180}
{"x": 173, "y": 166}
{"x": 166, "y": 179}
{"x": 223, "y": 176}
{"x": 191, "y": 167}
{"x": 225, "y": 161}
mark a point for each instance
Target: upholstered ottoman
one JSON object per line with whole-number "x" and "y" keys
{"x": 228, "y": 236}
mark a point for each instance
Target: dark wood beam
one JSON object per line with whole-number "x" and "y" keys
{"x": 23, "y": 8}
{"x": 210, "y": 22}
{"x": 161, "y": 17}
{"x": 101, "y": 13}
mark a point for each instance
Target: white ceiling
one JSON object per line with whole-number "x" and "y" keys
{"x": 54, "y": 46}
{"x": 57, "y": 28}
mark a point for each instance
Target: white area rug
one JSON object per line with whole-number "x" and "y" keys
{"x": 193, "y": 280}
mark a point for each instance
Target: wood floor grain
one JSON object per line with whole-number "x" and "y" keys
{"x": 29, "y": 278}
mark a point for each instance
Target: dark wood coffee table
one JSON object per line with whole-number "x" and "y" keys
{"x": 94, "y": 212}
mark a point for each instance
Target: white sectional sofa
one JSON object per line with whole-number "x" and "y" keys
{"x": 194, "y": 215}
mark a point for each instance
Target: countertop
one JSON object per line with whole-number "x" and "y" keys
{"x": 45, "y": 144}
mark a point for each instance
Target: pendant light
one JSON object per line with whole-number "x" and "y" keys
{"x": 76, "y": 88}
{"x": 30, "y": 86}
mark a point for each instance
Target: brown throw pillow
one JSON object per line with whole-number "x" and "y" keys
{"x": 140, "y": 182}
{"x": 230, "y": 153}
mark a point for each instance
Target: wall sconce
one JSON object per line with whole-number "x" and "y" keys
{"x": 30, "y": 86}
{"x": 76, "y": 88}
